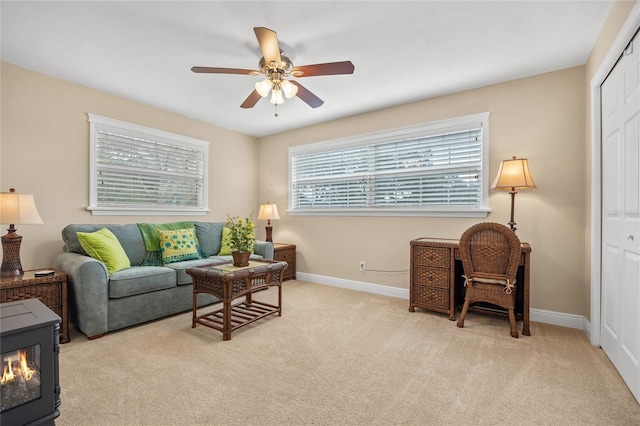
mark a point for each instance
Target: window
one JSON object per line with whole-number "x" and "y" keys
{"x": 434, "y": 169}
{"x": 138, "y": 170}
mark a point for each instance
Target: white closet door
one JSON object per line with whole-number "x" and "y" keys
{"x": 621, "y": 217}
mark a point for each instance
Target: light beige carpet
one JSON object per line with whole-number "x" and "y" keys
{"x": 341, "y": 357}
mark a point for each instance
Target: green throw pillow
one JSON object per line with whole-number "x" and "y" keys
{"x": 177, "y": 245}
{"x": 104, "y": 246}
{"x": 225, "y": 244}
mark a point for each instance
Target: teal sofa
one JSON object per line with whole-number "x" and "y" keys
{"x": 100, "y": 302}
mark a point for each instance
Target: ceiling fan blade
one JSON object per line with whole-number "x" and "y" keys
{"x": 331, "y": 68}
{"x": 303, "y": 93}
{"x": 252, "y": 100}
{"x": 215, "y": 70}
{"x": 269, "y": 45}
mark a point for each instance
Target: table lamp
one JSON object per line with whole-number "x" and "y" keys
{"x": 268, "y": 212}
{"x": 15, "y": 209}
{"x": 513, "y": 175}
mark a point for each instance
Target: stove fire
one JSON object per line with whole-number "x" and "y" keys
{"x": 20, "y": 382}
{"x": 23, "y": 369}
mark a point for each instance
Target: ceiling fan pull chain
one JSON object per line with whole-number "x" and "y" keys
{"x": 276, "y": 114}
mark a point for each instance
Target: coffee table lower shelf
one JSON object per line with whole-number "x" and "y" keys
{"x": 240, "y": 315}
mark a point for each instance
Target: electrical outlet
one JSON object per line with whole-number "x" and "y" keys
{"x": 363, "y": 266}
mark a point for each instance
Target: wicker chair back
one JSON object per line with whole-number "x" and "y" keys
{"x": 490, "y": 254}
{"x": 490, "y": 249}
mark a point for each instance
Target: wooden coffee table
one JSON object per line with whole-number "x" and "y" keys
{"x": 228, "y": 283}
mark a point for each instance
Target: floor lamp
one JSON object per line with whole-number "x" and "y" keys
{"x": 513, "y": 175}
{"x": 15, "y": 209}
{"x": 268, "y": 212}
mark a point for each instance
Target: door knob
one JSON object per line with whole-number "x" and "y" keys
{"x": 630, "y": 237}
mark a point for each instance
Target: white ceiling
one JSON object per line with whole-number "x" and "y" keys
{"x": 403, "y": 51}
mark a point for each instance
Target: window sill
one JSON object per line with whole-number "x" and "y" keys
{"x": 114, "y": 211}
{"x": 444, "y": 212}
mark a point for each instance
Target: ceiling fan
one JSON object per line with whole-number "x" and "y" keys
{"x": 276, "y": 67}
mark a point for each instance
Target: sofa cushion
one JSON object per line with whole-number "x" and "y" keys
{"x": 128, "y": 235}
{"x": 105, "y": 247}
{"x": 178, "y": 245}
{"x": 209, "y": 235}
{"x": 183, "y": 278}
{"x": 180, "y": 268}
{"x": 140, "y": 279}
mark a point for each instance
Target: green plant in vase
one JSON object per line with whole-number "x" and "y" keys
{"x": 242, "y": 237}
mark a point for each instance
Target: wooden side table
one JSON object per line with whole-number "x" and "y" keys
{"x": 50, "y": 290}
{"x": 284, "y": 252}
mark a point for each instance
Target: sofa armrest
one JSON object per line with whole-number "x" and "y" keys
{"x": 88, "y": 282}
{"x": 264, "y": 249}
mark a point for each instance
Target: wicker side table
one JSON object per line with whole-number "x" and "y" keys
{"x": 50, "y": 290}
{"x": 432, "y": 280}
{"x": 286, "y": 253}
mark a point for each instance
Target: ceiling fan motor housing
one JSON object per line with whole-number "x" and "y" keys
{"x": 284, "y": 67}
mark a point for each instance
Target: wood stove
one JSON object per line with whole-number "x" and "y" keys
{"x": 29, "y": 346}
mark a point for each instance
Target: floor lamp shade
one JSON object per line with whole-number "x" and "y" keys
{"x": 268, "y": 212}
{"x": 513, "y": 175}
{"x": 15, "y": 209}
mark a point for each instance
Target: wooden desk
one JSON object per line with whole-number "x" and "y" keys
{"x": 436, "y": 281}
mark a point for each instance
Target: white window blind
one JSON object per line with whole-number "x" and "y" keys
{"x": 138, "y": 170}
{"x": 436, "y": 168}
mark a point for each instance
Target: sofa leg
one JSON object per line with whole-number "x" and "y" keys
{"x": 95, "y": 336}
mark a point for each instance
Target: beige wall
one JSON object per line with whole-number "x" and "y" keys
{"x": 541, "y": 118}
{"x": 45, "y": 151}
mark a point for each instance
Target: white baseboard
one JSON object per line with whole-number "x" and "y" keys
{"x": 538, "y": 315}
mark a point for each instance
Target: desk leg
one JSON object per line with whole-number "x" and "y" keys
{"x": 525, "y": 308}
{"x": 195, "y": 305}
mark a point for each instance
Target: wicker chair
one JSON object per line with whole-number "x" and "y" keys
{"x": 490, "y": 253}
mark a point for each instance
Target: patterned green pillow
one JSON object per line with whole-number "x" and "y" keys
{"x": 177, "y": 245}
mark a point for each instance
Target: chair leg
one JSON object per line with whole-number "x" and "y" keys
{"x": 512, "y": 321}
{"x": 465, "y": 308}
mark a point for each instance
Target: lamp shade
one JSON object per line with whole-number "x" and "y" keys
{"x": 514, "y": 174}
{"x": 276, "y": 97}
{"x": 263, "y": 87}
{"x": 289, "y": 89}
{"x": 18, "y": 208}
{"x": 268, "y": 212}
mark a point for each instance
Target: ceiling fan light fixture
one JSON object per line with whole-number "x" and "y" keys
{"x": 289, "y": 89}
{"x": 276, "y": 67}
{"x": 276, "y": 97}
{"x": 263, "y": 87}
